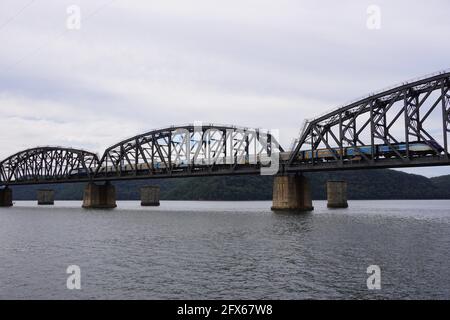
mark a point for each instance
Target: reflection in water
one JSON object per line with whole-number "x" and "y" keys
{"x": 230, "y": 250}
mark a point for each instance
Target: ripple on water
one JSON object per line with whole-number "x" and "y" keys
{"x": 227, "y": 250}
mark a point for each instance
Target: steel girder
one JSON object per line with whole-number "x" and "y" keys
{"x": 39, "y": 165}
{"x": 411, "y": 112}
{"x": 188, "y": 150}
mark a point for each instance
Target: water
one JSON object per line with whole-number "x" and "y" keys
{"x": 226, "y": 250}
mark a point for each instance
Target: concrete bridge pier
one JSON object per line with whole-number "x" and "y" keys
{"x": 99, "y": 196}
{"x": 6, "y": 197}
{"x": 150, "y": 196}
{"x": 45, "y": 197}
{"x": 291, "y": 193}
{"x": 337, "y": 194}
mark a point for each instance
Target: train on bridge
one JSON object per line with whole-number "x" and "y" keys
{"x": 416, "y": 149}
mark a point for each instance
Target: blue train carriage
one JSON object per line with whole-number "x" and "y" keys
{"x": 306, "y": 155}
{"x": 81, "y": 172}
{"x": 329, "y": 154}
{"x": 417, "y": 148}
{"x": 356, "y": 153}
{"x": 425, "y": 148}
{"x": 323, "y": 154}
{"x": 428, "y": 148}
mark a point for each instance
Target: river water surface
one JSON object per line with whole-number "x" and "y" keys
{"x": 226, "y": 250}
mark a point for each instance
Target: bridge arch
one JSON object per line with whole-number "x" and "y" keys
{"x": 187, "y": 149}
{"x": 47, "y": 164}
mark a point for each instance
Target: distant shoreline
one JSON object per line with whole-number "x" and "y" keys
{"x": 375, "y": 184}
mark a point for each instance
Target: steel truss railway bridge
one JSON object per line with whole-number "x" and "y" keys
{"x": 403, "y": 126}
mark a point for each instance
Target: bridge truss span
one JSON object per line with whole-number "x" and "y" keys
{"x": 48, "y": 165}
{"x": 404, "y": 126}
{"x": 189, "y": 150}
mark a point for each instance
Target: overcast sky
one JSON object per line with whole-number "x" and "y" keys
{"x": 138, "y": 65}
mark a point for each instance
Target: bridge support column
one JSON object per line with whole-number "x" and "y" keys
{"x": 45, "y": 197}
{"x": 337, "y": 194}
{"x": 291, "y": 193}
{"x": 6, "y": 197}
{"x": 99, "y": 196}
{"x": 150, "y": 196}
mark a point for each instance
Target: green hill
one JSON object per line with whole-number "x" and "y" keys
{"x": 362, "y": 184}
{"x": 442, "y": 182}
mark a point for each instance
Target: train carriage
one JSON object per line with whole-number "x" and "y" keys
{"x": 417, "y": 148}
